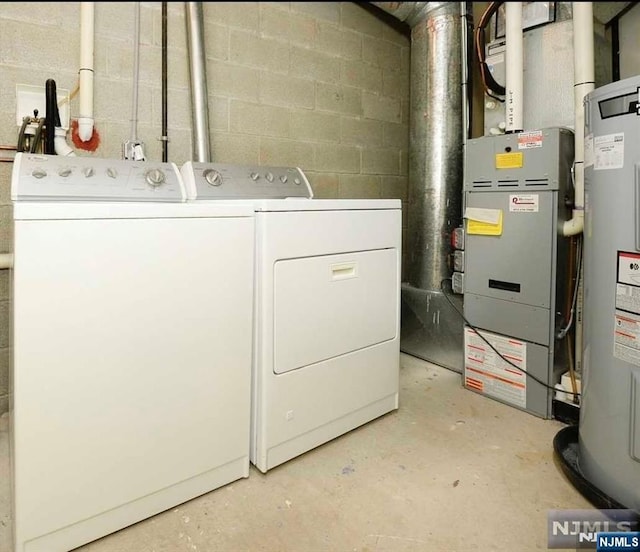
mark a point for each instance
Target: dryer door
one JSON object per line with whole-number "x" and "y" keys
{"x": 331, "y": 305}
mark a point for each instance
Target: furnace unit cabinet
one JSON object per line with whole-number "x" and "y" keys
{"x": 518, "y": 193}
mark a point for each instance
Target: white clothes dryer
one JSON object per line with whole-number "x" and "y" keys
{"x": 327, "y": 306}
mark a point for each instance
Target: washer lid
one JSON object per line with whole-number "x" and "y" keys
{"x": 297, "y": 204}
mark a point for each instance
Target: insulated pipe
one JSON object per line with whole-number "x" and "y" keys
{"x": 436, "y": 137}
{"x": 514, "y": 67}
{"x": 583, "y": 83}
{"x": 85, "y": 119}
{"x": 197, "y": 68}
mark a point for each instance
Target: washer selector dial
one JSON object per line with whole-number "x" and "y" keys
{"x": 64, "y": 172}
{"x": 112, "y": 173}
{"x": 155, "y": 177}
{"x": 88, "y": 171}
{"x": 39, "y": 173}
{"x": 213, "y": 177}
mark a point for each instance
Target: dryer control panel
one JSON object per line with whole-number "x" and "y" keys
{"x": 223, "y": 181}
{"x": 38, "y": 177}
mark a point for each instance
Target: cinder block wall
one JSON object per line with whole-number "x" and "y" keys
{"x": 319, "y": 85}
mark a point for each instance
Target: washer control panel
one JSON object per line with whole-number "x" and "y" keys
{"x": 39, "y": 177}
{"x": 223, "y": 181}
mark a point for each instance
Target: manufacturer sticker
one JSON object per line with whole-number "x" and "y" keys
{"x": 524, "y": 203}
{"x": 608, "y": 152}
{"x": 528, "y": 140}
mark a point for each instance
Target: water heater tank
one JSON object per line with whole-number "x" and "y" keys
{"x": 609, "y": 430}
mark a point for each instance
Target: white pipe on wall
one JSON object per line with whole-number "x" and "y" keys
{"x": 85, "y": 118}
{"x": 514, "y": 67}
{"x": 583, "y": 83}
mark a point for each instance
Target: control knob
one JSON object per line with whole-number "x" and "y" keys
{"x": 213, "y": 177}
{"x": 88, "y": 172}
{"x": 64, "y": 172}
{"x": 269, "y": 177}
{"x": 112, "y": 173}
{"x": 155, "y": 177}
{"x": 39, "y": 173}
{"x": 254, "y": 176}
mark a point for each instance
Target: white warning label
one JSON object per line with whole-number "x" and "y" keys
{"x": 627, "y": 329}
{"x": 608, "y": 151}
{"x": 588, "y": 150}
{"x": 524, "y": 203}
{"x": 629, "y": 268}
{"x": 486, "y": 372}
{"x": 528, "y": 140}
{"x": 628, "y": 282}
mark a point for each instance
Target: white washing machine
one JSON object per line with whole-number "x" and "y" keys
{"x": 327, "y": 306}
{"x": 131, "y": 338}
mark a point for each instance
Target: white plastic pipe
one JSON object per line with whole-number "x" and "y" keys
{"x": 60, "y": 143}
{"x": 514, "y": 67}
{"x": 583, "y": 83}
{"x": 85, "y": 118}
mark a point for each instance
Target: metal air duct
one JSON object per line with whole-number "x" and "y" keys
{"x": 431, "y": 329}
{"x": 197, "y": 70}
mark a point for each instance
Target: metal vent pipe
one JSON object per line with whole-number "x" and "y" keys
{"x": 197, "y": 70}
{"x": 431, "y": 329}
{"x": 436, "y": 136}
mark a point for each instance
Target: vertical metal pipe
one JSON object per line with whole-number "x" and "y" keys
{"x": 165, "y": 138}
{"x": 197, "y": 69}
{"x": 435, "y": 166}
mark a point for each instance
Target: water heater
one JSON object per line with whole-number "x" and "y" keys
{"x": 609, "y": 429}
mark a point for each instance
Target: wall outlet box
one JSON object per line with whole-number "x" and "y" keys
{"x": 29, "y": 97}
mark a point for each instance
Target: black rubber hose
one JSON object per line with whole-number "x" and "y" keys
{"x": 165, "y": 138}
{"x": 51, "y": 101}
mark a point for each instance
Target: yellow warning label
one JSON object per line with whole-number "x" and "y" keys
{"x": 509, "y": 160}
{"x": 484, "y": 228}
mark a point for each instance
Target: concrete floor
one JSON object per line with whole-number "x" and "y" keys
{"x": 449, "y": 471}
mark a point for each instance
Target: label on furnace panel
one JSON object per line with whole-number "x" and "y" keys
{"x": 528, "y": 140}
{"x": 524, "y": 203}
{"x": 486, "y": 372}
